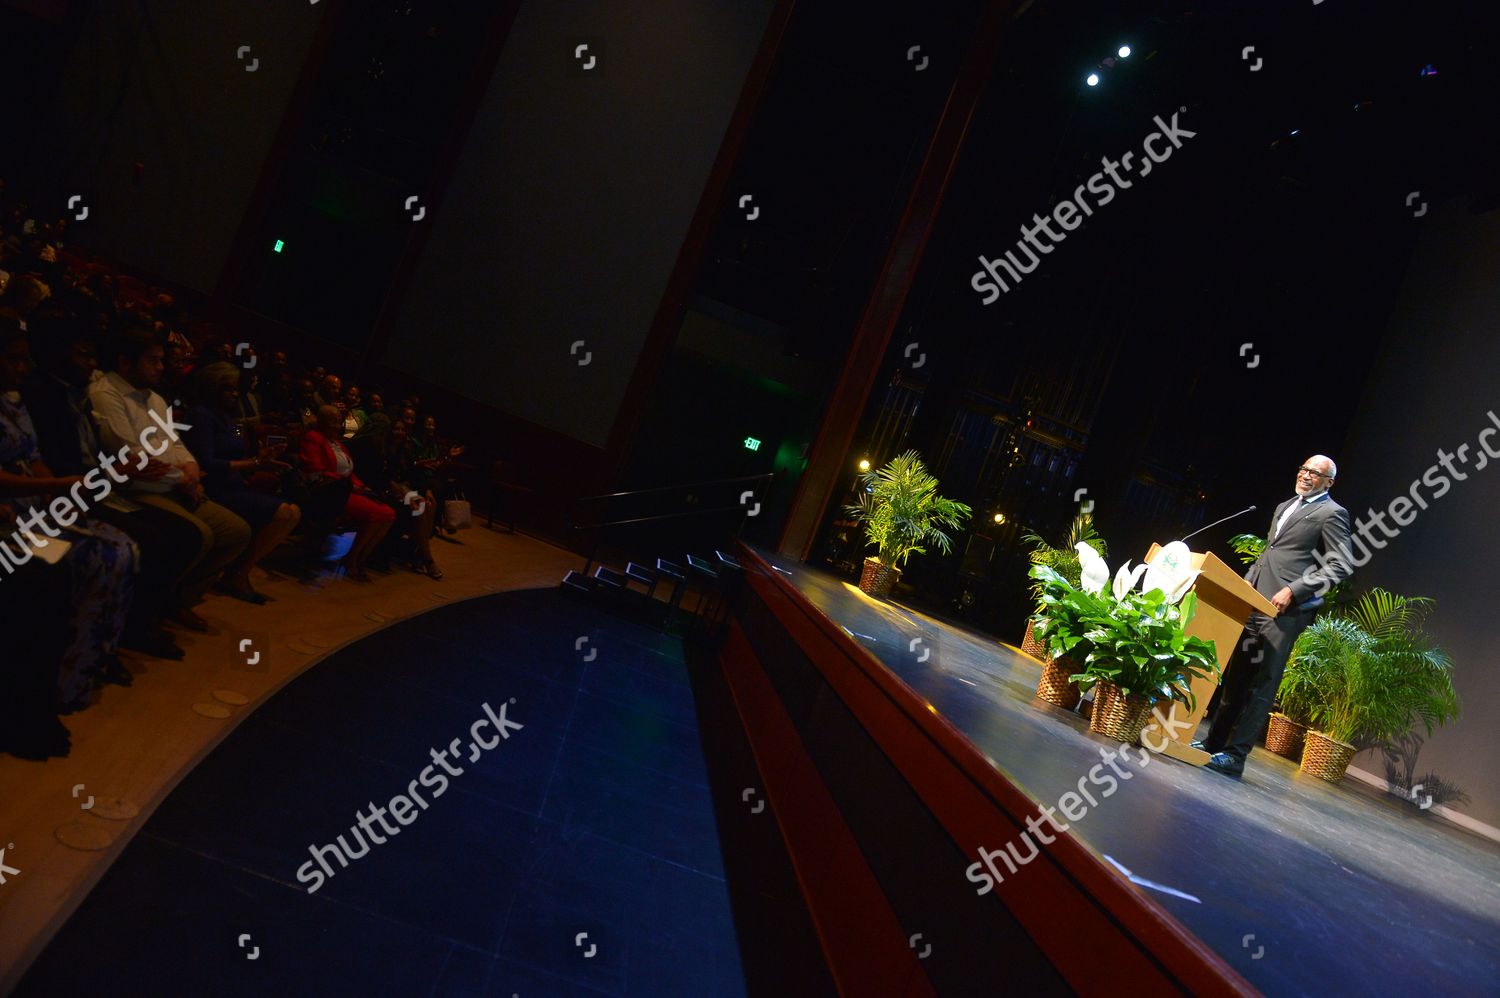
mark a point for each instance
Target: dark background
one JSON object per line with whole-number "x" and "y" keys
{"x": 557, "y": 205}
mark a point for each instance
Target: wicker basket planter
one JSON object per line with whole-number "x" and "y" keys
{"x": 1325, "y": 758}
{"x": 1031, "y": 646}
{"x": 1285, "y": 737}
{"x": 1118, "y": 715}
{"x": 1055, "y": 687}
{"x": 877, "y": 578}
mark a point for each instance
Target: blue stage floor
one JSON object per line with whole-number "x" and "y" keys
{"x": 1303, "y": 887}
{"x": 594, "y": 818}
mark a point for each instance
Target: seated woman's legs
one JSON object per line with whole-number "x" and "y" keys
{"x": 101, "y": 572}
{"x": 372, "y": 520}
{"x": 421, "y": 536}
{"x": 265, "y": 540}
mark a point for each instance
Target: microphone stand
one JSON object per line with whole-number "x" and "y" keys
{"x": 1231, "y": 516}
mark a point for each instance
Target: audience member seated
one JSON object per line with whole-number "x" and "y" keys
{"x": 177, "y": 362}
{"x": 354, "y": 413}
{"x": 101, "y": 561}
{"x": 305, "y": 403}
{"x": 217, "y": 439}
{"x": 433, "y": 457}
{"x": 131, "y": 415}
{"x": 24, "y": 294}
{"x": 330, "y": 389}
{"x": 371, "y": 449}
{"x": 57, "y": 399}
{"x": 324, "y": 456}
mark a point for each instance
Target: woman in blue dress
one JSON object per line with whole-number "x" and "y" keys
{"x": 101, "y": 561}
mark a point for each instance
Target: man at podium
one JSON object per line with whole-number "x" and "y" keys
{"x": 1289, "y": 572}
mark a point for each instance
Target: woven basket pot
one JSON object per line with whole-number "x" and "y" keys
{"x": 1285, "y": 737}
{"x": 877, "y": 577}
{"x": 1055, "y": 687}
{"x": 1325, "y": 758}
{"x": 1031, "y": 646}
{"x": 1118, "y": 715}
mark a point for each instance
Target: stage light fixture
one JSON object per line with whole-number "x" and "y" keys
{"x": 999, "y": 517}
{"x": 1124, "y": 51}
{"x": 1093, "y": 80}
{"x": 864, "y": 464}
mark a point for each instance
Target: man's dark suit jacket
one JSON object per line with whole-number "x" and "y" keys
{"x": 1289, "y": 558}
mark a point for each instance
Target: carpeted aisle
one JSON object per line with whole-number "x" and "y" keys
{"x": 593, "y": 818}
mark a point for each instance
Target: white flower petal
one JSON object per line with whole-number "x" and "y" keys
{"x": 1095, "y": 575}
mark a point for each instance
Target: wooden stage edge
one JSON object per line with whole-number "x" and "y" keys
{"x": 1069, "y": 900}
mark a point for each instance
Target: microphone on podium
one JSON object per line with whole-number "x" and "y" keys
{"x": 1231, "y": 516}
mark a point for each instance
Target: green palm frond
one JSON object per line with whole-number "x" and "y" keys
{"x": 1247, "y": 546}
{"x": 902, "y": 513}
{"x": 1368, "y": 674}
{"x": 1063, "y": 559}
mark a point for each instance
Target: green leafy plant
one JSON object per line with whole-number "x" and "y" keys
{"x": 1247, "y": 546}
{"x": 1065, "y": 614}
{"x": 1136, "y": 640}
{"x": 901, "y": 512}
{"x": 1064, "y": 558}
{"x": 1368, "y": 673}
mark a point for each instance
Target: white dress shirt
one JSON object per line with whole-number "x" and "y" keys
{"x": 1294, "y": 507}
{"x": 124, "y": 417}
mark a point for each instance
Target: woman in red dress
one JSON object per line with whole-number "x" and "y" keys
{"x": 323, "y": 455}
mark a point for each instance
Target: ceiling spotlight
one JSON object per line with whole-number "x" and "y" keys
{"x": 864, "y": 464}
{"x": 1124, "y": 51}
{"x": 999, "y": 517}
{"x": 1093, "y": 80}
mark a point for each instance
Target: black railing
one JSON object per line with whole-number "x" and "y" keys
{"x": 638, "y": 526}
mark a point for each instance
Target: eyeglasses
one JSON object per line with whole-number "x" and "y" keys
{"x": 1314, "y": 472}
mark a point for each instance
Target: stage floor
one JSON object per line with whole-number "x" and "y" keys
{"x": 1302, "y": 886}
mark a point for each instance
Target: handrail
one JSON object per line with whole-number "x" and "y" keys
{"x": 686, "y": 485}
{"x": 660, "y": 516}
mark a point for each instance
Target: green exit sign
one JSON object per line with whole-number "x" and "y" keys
{"x": 279, "y": 244}
{"x": 752, "y": 444}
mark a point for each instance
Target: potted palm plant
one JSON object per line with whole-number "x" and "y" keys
{"x": 1062, "y": 560}
{"x": 1370, "y": 673}
{"x": 902, "y": 513}
{"x": 1302, "y": 687}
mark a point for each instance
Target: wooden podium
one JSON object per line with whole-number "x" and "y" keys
{"x": 1225, "y": 601}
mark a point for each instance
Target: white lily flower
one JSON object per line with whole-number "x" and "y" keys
{"x": 1125, "y": 579}
{"x": 1094, "y": 575}
{"x": 1086, "y": 553}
